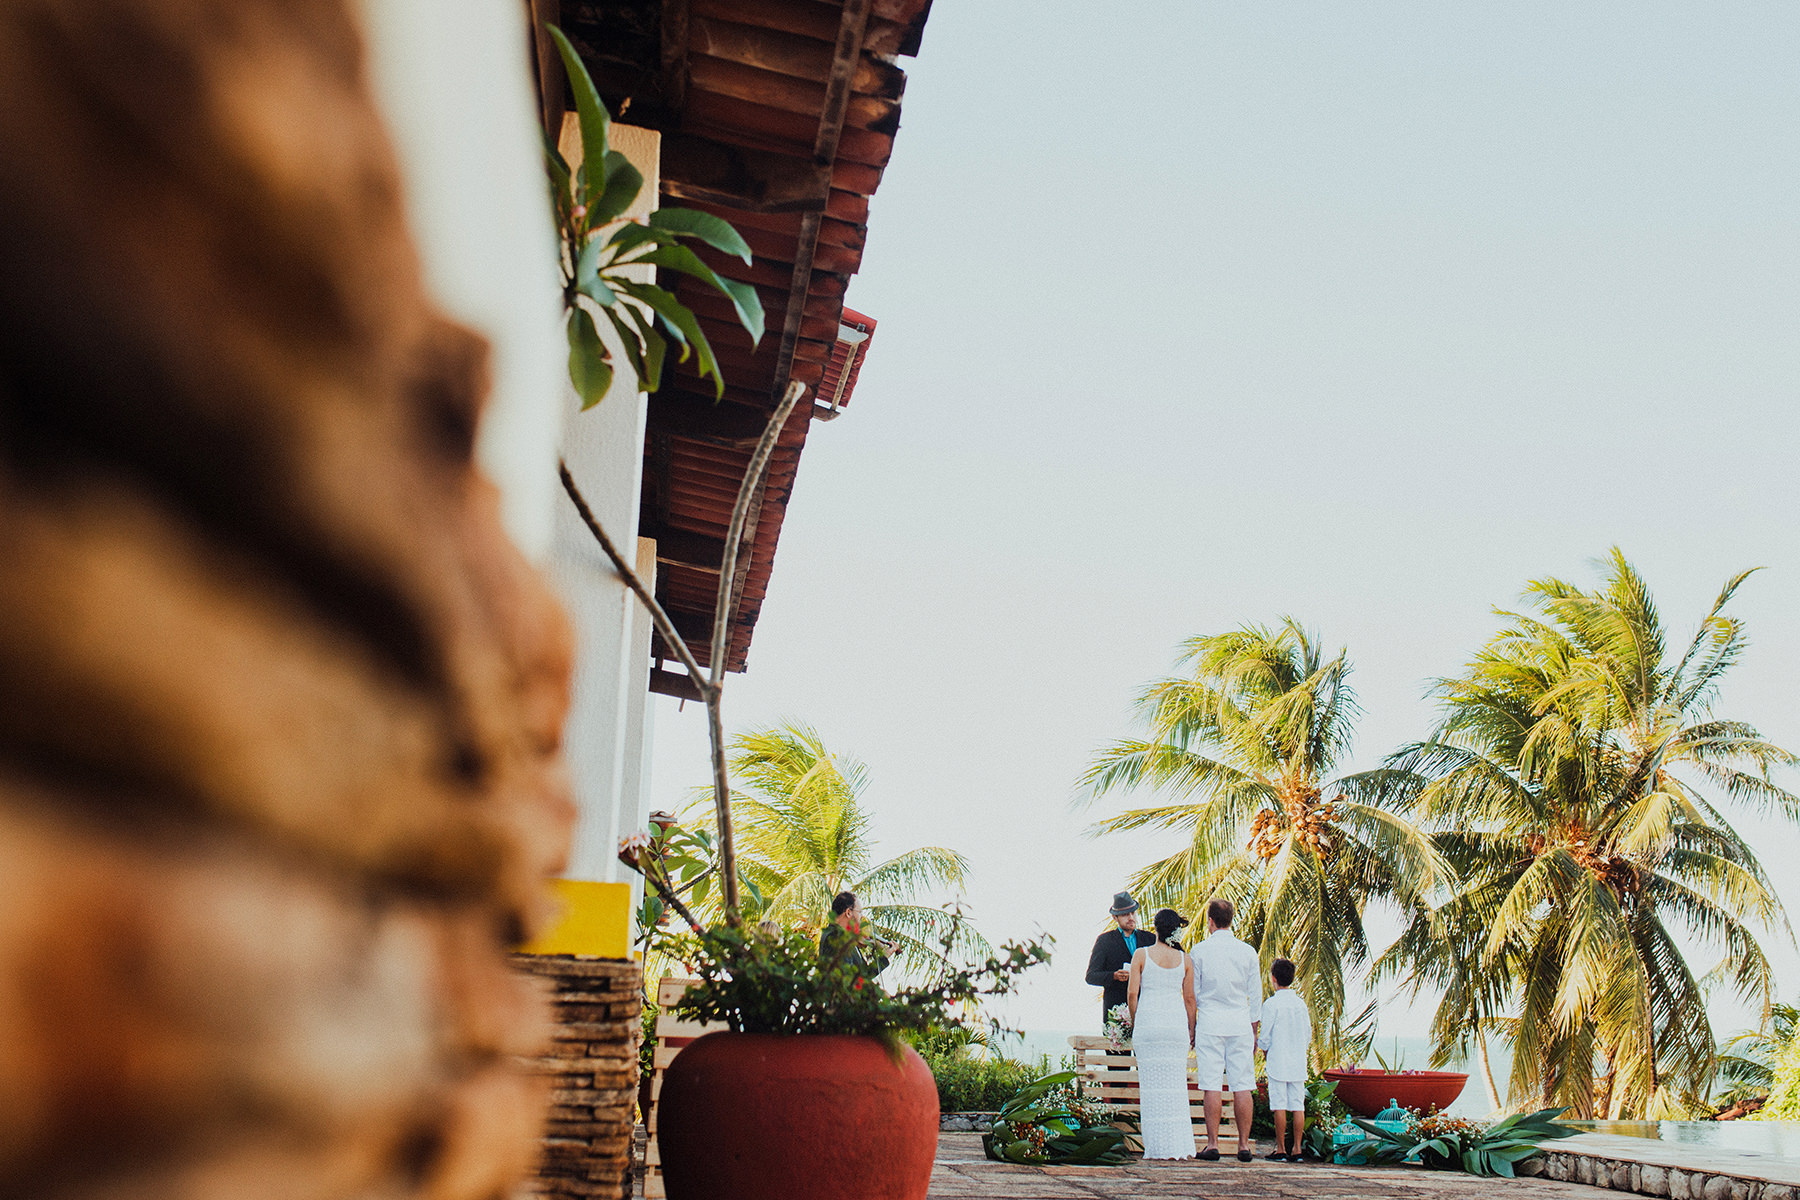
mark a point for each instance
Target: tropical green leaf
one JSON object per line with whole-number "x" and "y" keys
{"x": 589, "y": 368}
{"x": 714, "y": 231}
{"x": 594, "y": 121}
{"x": 623, "y": 183}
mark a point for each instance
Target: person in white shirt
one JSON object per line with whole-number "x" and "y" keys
{"x": 1227, "y": 995}
{"x": 1284, "y": 1038}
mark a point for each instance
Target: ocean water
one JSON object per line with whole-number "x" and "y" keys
{"x": 1401, "y": 1053}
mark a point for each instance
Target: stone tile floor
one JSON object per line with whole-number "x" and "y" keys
{"x": 962, "y": 1171}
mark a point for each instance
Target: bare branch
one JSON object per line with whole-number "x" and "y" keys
{"x": 740, "y": 512}
{"x": 711, "y": 685}
{"x": 759, "y": 462}
{"x": 664, "y": 626}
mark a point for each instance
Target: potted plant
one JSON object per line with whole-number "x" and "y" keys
{"x": 1365, "y": 1091}
{"x": 814, "y": 1094}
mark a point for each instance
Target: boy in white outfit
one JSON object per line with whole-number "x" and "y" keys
{"x": 1284, "y": 1036}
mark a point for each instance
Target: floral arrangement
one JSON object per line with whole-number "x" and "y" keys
{"x": 754, "y": 981}
{"x": 1118, "y": 1027}
{"x": 1445, "y": 1143}
{"x": 1050, "y": 1121}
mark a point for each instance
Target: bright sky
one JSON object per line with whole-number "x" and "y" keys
{"x": 1193, "y": 315}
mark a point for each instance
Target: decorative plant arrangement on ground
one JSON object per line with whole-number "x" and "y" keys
{"x": 1444, "y": 1143}
{"x": 1049, "y": 1121}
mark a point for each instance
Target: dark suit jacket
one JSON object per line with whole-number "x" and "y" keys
{"x": 1111, "y": 953}
{"x": 832, "y": 940}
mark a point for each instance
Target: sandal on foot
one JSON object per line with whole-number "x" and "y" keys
{"x": 1245, "y": 1156}
{"x": 1210, "y": 1154}
{"x": 1277, "y": 1156}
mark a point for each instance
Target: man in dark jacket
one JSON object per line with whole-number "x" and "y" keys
{"x": 846, "y": 925}
{"x": 1109, "y": 966}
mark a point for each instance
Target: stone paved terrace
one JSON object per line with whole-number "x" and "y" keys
{"x": 962, "y": 1171}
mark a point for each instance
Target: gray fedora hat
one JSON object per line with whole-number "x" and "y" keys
{"x": 1122, "y": 904}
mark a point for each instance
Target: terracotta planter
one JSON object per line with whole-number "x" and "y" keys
{"x": 758, "y": 1117}
{"x": 1366, "y": 1093}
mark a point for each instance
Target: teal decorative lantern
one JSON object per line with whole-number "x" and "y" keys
{"x": 1393, "y": 1112}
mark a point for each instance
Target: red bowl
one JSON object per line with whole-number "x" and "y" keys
{"x": 1366, "y": 1093}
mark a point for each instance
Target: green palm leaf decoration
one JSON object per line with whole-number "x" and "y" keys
{"x": 1574, "y": 787}
{"x": 1243, "y": 747}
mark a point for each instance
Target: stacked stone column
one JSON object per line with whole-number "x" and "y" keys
{"x": 591, "y": 1065}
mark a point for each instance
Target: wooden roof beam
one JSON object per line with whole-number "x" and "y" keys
{"x": 700, "y": 169}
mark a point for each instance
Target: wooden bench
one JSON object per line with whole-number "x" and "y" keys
{"x": 672, "y": 1033}
{"x": 1111, "y": 1077}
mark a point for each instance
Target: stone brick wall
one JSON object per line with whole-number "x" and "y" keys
{"x": 280, "y": 704}
{"x": 592, "y": 1069}
{"x": 1651, "y": 1179}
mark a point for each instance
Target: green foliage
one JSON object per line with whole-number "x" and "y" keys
{"x": 1448, "y": 1144}
{"x": 1243, "y": 746}
{"x": 1324, "y": 1113}
{"x": 1572, "y": 786}
{"x": 969, "y": 1081}
{"x": 1048, "y": 1121}
{"x": 1747, "y": 1063}
{"x": 675, "y": 858}
{"x": 597, "y": 270}
{"x": 757, "y": 982}
{"x": 803, "y": 837}
{"x": 647, "y": 1043}
{"x": 1784, "y": 1085}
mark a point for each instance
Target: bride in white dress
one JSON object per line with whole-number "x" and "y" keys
{"x": 1161, "y": 999}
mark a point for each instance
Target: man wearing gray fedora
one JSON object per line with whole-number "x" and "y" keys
{"x": 1109, "y": 966}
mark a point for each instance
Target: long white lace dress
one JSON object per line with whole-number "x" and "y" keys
{"x": 1159, "y": 1039}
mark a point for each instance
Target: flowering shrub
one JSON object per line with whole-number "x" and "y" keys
{"x": 777, "y": 982}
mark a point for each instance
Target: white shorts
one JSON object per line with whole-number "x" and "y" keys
{"x": 1231, "y": 1058}
{"x": 1287, "y": 1095}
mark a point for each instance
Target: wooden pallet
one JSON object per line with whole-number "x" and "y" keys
{"x": 1112, "y": 1077}
{"x": 672, "y": 1033}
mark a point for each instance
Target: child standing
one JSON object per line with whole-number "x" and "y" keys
{"x": 1284, "y": 1039}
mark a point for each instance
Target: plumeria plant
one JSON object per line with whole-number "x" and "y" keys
{"x": 676, "y": 862}
{"x": 597, "y": 265}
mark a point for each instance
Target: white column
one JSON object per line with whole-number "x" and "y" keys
{"x": 607, "y": 731}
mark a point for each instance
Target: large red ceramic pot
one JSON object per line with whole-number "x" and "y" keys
{"x": 750, "y": 1116}
{"x": 1366, "y": 1093}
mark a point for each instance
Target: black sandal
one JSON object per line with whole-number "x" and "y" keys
{"x": 1244, "y": 1155}
{"x": 1210, "y": 1154}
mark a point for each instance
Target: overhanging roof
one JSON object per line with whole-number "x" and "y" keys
{"x": 780, "y": 116}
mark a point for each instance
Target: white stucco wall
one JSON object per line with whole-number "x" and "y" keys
{"x": 455, "y": 84}
{"x": 609, "y": 731}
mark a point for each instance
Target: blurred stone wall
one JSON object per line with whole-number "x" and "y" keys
{"x": 280, "y": 704}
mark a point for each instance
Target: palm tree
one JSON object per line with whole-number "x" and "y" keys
{"x": 1568, "y": 788}
{"x": 803, "y": 837}
{"x": 1747, "y": 1062}
{"x": 1244, "y": 746}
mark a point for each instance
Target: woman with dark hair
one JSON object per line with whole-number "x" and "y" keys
{"x": 1161, "y": 999}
